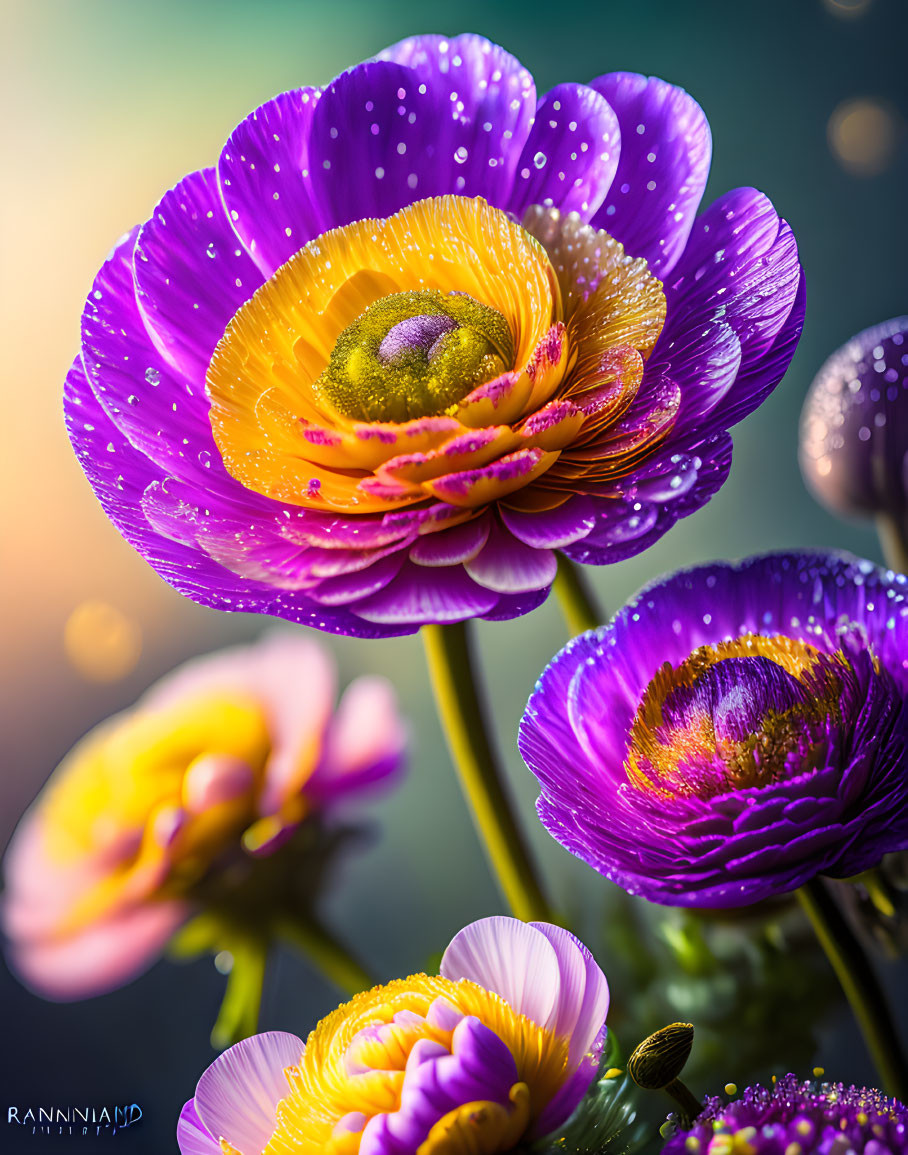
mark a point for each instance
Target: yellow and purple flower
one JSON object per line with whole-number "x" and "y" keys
{"x": 497, "y": 1049}
{"x": 797, "y": 1118}
{"x": 736, "y": 730}
{"x": 218, "y": 764}
{"x": 420, "y": 330}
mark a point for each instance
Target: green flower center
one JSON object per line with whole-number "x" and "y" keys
{"x": 415, "y": 354}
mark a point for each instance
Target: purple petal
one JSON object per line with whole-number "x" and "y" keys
{"x": 488, "y": 120}
{"x": 421, "y": 596}
{"x": 120, "y": 475}
{"x": 192, "y": 1136}
{"x": 662, "y": 169}
{"x": 192, "y": 274}
{"x": 452, "y": 546}
{"x": 742, "y": 258}
{"x": 570, "y": 157}
{"x": 507, "y": 566}
{"x": 552, "y": 528}
{"x": 510, "y": 606}
{"x": 754, "y": 385}
{"x": 352, "y": 587}
{"x": 510, "y": 958}
{"x": 237, "y": 1096}
{"x": 265, "y": 179}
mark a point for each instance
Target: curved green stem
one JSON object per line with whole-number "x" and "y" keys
{"x": 894, "y": 540}
{"x": 853, "y": 970}
{"x": 326, "y": 953}
{"x": 451, "y": 671}
{"x": 239, "y": 1014}
{"x": 577, "y": 604}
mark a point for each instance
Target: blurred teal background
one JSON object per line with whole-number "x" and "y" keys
{"x": 107, "y": 103}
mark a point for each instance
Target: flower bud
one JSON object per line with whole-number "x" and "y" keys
{"x": 660, "y": 1059}
{"x": 854, "y": 426}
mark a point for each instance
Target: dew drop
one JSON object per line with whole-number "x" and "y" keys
{"x": 153, "y": 377}
{"x": 539, "y": 160}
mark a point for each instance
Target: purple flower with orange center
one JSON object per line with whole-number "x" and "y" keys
{"x": 420, "y": 330}
{"x": 734, "y": 732}
{"x": 794, "y": 1117}
{"x": 176, "y": 806}
{"x": 497, "y": 1049}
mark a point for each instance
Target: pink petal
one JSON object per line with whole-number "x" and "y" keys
{"x": 215, "y": 778}
{"x": 511, "y": 958}
{"x": 237, "y": 1096}
{"x": 584, "y": 997}
{"x": 365, "y": 740}
{"x": 99, "y": 958}
{"x": 293, "y": 677}
{"x": 192, "y": 1137}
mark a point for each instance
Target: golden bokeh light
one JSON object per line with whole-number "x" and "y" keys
{"x": 101, "y": 642}
{"x": 847, "y": 9}
{"x": 863, "y": 135}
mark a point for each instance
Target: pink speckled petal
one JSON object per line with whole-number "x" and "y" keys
{"x": 237, "y": 1096}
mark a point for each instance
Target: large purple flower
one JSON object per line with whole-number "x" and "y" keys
{"x": 798, "y": 1117}
{"x": 374, "y": 368}
{"x": 735, "y": 731}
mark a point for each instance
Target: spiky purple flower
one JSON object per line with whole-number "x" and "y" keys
{"x": 420, "y": 330}
{"x": 736, "y": 730}
{"x": 797, "y": 1118}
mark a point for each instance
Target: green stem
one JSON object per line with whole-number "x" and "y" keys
{"x": 239, "y": 1014}
{"x": 577, "y": 604}
{"x": 326, "y": 953}
{"x": 894, "y": 542}
{"x": 451, "y": 670}
{"x": 853, "y": 970}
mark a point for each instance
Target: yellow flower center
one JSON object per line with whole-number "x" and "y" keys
{"x": 414, "y": 354}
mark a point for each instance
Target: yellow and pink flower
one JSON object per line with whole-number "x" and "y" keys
{"x": 221, "y": 761}
{"x": 496, "y": 1050}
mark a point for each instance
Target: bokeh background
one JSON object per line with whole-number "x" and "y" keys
{"x": 109, "y": 102}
